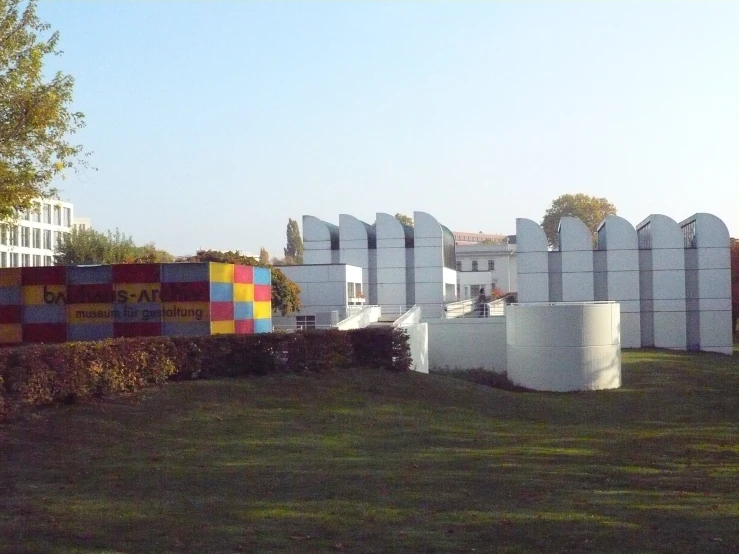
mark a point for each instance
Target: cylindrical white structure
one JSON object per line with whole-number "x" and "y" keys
{"x": 567, "y": 346}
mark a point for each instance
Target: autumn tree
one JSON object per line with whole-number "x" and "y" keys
{"x": 263, "y": 257}
{"x": 404, "y": 219}
{"x": 35, "y": 115}
{"x": 588, "y": 209}
{"x": 88, "y": 246}
{"x": 294, "y": 249}
{"x": 285, "y": 293}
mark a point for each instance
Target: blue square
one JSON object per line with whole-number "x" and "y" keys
{"x": 262, "y": 276}
{"x": 263, "y": 325}
{"x": 243, "y": 310}
{"x": 221, "y": 292}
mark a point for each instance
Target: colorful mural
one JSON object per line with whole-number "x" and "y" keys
{"x": 70, "y": 303}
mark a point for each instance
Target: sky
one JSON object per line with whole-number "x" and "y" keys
{"x": 212, "y": 123}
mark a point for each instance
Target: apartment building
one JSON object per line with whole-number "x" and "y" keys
{"x": 32, "y": 239}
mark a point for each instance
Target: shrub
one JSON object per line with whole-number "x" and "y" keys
{"x": 40, "y": 374}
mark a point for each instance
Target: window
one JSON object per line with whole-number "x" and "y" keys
{"x": 14, "y": 259}
{"x": 474, "y": 265}
{"x": 47, "y": 239}
{"x": 27, "y": 215}
{"x": 55, "y": 240}
{"x": 47, "y": 213}
{"x": 36, "y": 238}
{"x": 57, "y": 215}
{"x": 3, "y": 259}
{"x": 14, "y": 236}
{"x": 305, "y": 322}
{"x": 26, "y": 237}
{"x": 48, "y": 260}
{"x": 67, "y": 217}
{"x": 459, "y": 266}
{"x": 26, "y": 260}
{"x": 491, "y": 265}
{"x": 3, "y": 234}
{"x": 36, "y": 213}
{"x": 37, "y": 260}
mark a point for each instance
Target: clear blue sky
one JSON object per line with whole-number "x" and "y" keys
{"x": 213, "y": 122}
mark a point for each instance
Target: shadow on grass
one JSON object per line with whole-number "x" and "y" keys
{"x": 377, "y": 462}
{"x": 482, "y": 377}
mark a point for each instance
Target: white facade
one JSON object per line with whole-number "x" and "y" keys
{"x": 533, "y": 261}
{"x": 33, "y": 238}
{"x": 81, "y": 223}
{"x": 564, "y": 346}
{"x": 358, "y": 247}
{"x": 435, "y": 274}
{"x": 320, "y": 241}
{"x": 707, "y": 283}
{"x": 394, "y": 262}
{"x": 673, "y": 282}
{"x": 485, "y": 265}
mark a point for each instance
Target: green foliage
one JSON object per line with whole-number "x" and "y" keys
{"x": 404, "y": 219}
{"x": 285, "y": 293}
{"x": 35, "y": 375}
{"x": 35, "y": 112}
{"x": 263, "y": 257}
{"x": 294, "y": 249}
{"x": 589, "y": 209}
{"x": 88, "y": 246}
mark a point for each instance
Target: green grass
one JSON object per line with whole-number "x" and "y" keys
{"x": 380, "y": 462}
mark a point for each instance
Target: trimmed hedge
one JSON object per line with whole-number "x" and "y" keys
{"x": 41, "y": 374}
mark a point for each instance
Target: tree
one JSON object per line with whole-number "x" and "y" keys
{"x": 88, "y": 246}
{"x": 589, "y": 209}
{"x": 294, "y": 248}
{"x": 285, "y": 293}
{"x": 404, "y": 219}
{"x": 263, "y": 257}
{"x": 734, "y": 283}
{"x": 35, "y": 119}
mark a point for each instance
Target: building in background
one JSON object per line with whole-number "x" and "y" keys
{"x": 81, "y": 223}
{"x": 491, "y": 267}
{"x": 468, "y": 237}
{"x": 31, "y": 241}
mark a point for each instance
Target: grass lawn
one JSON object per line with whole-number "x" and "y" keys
{"x": 377, "y": 462}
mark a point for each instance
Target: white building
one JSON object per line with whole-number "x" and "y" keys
{"x": 672, "y": 281}
{"x": 485, "y": 266}
{"x": 33, "y": 238}
{"x": 81, "y": 223}
{"x": 326, "y": 293}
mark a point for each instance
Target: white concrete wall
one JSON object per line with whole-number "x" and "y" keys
{"x": 708, "y": 285}
{"x": 354, "y": 250}
{"x": 391, "y": 262}
{"x": 317, "y": 242}
{"x": 662, "y": 285}
{"x": 564, "y": 347}
{"x": 532, "y": 262}
{"x": 418, "y": 340}
{"x": 616, "y": 277}
{"x": 576, "y": 255}
{"x": 322, "y": 287}
{"x": 468, "y": 343}
{"x": 360, "y": 320}
{"x": 431, "y": 277}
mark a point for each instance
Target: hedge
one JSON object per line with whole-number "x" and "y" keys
{"x": 41, "y": 374}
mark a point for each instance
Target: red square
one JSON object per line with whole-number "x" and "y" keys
{"x": 10, "y": 314}
{"x": 221, "y": 311}
{"x": 243, "y": 274}
{"x": 137, "y": 329}
{"x": 136, "y": 273}
{"x": 262, "y": 293}
{"x": 244, "y": 326}
{"x": 45, "y": 332}
{"x": 49, "y": 275}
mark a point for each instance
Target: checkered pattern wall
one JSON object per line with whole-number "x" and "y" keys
{"x": 57, "y": 304}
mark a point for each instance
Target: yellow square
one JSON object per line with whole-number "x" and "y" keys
{"x": 185, "y": 312}
{"x": 35, "y": 295}
{"x": 243, "y": 292}
{"x": 135, "y": 293}
{"x": 262, "y": 310}
{"x": 90, "y": 313}
{"x": 10, "y": 277}
{"x": 11, "y": 333}
{"x": 221, "y": 273}
{"x": 222, "y": 327}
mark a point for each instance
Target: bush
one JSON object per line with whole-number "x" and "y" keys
{"x": 41, "y": 374}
